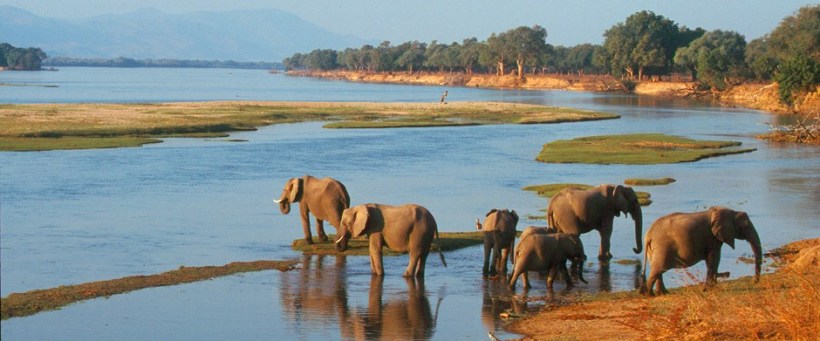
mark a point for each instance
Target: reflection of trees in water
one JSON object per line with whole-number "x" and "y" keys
{"x": 317, "y": 295}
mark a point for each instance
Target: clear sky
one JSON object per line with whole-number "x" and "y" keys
{"x": 567, "y": 22}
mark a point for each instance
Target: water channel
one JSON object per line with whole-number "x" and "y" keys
{"x": 69, "y": 217}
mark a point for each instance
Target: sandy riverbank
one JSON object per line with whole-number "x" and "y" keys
{"x": 751, "y": 95}
{"x": 784, "y": 306}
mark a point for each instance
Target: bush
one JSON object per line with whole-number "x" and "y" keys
{"x": 796, "y": 75}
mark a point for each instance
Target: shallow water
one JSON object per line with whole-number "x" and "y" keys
{"x": 76, "y": 216}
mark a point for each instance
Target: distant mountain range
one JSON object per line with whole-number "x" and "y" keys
{"x": 248, "y": 35}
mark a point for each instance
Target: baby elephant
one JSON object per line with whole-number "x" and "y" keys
{"x": 499, "y": 240}
{"x": 680, "y": 240}
{"x": 406, "y": 228}
{"x": 548, "y": 252}
{"x": 537, "y": 229}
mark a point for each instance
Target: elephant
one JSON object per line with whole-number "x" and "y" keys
{"x": 548, "y": 252}
{"x": 499, "y": 239}
{"x": 680, "y": 240}
{"x": 536, "y": 229}
{"x": 580, "y": 211}
{"x": 409, "y": 228}
{"x": 326, "y": 198}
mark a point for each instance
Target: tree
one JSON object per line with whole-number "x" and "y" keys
{"x": 523, "y": 45}
{"x": 643, "y": 40}
{"x": 322, "y": 59}
{"x": 468, "y": 55}
{"x": 412, "y": 57}
{"x": 713, "y": 57}
{"x": 16, "y": 58}
{"x": 495, "y": 54}
{"x": 797, "y": 74}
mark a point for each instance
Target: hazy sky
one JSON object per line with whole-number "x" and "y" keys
{"x": 567, "y": 22}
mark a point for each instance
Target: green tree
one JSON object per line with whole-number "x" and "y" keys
{"x": 798, "y": 74}
{"x": 523, "y": 45}
{"x": 468, "y": 55}
{"x": 644, "y": 40}
{"x": 413, "y": 56}
{"x": 322, "y": 59}
{"x": 713, "y": 57}
{"x": 495, "y": 53}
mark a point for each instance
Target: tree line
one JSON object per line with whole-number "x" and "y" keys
{"x": 179, "y": 63}
{"x": 18, "y": 58}
{"x": 644, "y": 45}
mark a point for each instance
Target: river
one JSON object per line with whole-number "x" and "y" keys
{"x": 69, "y": 217}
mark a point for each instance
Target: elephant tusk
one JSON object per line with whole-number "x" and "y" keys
{"x": 340, "y": 239}
{"x": 277, "y": 201}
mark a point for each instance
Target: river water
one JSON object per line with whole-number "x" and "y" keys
{"x": 70, "y": 217}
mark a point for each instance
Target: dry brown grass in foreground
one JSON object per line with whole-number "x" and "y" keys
{"x": 785, "y": 305}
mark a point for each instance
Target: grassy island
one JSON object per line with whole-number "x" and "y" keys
{"x": 635, "y": 149}
{"x": 548, "y": 190}
{"x": 30, "y": 127}
{"x": 35, "y": 301}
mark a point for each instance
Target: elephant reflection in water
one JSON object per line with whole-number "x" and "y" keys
{"x": 409, "y": 318}
{"x": 496, "y": 299}
{"x": 316, "y": 292}
{"x": 317, "y": 295}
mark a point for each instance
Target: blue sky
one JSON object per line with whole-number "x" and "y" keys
{"x": 567, "y": 22}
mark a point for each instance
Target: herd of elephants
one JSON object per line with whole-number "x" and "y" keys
{"x": 677, "y": 240}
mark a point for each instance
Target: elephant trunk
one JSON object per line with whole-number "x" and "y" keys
{"x": 754, "y": 241}
{"x": 284, "y": 204}
{"x": 637, "y": 215}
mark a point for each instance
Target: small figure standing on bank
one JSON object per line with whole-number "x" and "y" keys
{"x": 444, "y": 97}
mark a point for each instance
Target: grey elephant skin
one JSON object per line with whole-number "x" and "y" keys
{"x": 325, "y": 198}
{"x": 548, "y": 252}
{"x": 580, "y": 211}
{"x": 680, "y": 240}
{"x": 407, "y": 228}
{"x": 499, "y": 240}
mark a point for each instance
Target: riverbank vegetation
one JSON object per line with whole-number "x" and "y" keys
{"x": 30, "y": 127}
{"x": 631, "y": 53}
{"x": 35, "y": 301}
{"x": 158, "y": 63}
{"x": 447, "y": 241}
{"x": 783, "y": 306}
{"x": 635, "y": 149}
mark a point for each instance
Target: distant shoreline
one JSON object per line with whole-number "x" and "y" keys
{"x": 758, "y": 96}
{"x": 123, "y": 62}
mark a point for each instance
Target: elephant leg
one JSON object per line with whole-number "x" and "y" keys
{"x": 421, "y": 264}
{"x": 661, "y": 286}
{"x": 563, "y": 267}
{"x": 606, "y": 234}
{"x": 488, "y": 246}
{"x": 412, "y": 265}
{"x": 376, "y": 265}
{"x": 505, "y": 253}
{"x": 526, "y": 280}
{"x": 514, "y": 277}
{"x": 650, "y": 281}
{"x": 320, "y": 230}
{"x": 304, "y": 212}
{"x": 712, "y": 262}
{"x": 550, "y": 278}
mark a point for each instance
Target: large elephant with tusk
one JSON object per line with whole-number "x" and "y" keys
{"x": 326, "y": 198}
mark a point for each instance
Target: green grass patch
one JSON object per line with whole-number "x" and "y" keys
{"x": 449, "y": 241}
{"x": 648, "y": 182}
{"x": 32, "y": 302}
{"x": 124, "y": 125}
{"x": 635, "y": 149}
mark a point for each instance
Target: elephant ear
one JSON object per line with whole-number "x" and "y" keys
{"x": 360, "y": 219}
{"x": 620, "y": 199}
{"x": 515, "y": 217}
{"x": 296, "y": 187}
{"x": 491, "y": 212}
{"x": 723, "y": 225}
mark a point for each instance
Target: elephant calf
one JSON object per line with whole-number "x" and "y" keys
{"x": 680, "y": 240}
{"x": 326, "y": 198}
{"x": 409, "y": 228}
{"x": 548, "y": 252}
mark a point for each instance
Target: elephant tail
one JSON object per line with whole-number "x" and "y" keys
{"x": 440, "y": 254}
{"x": 642, "y": 289}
